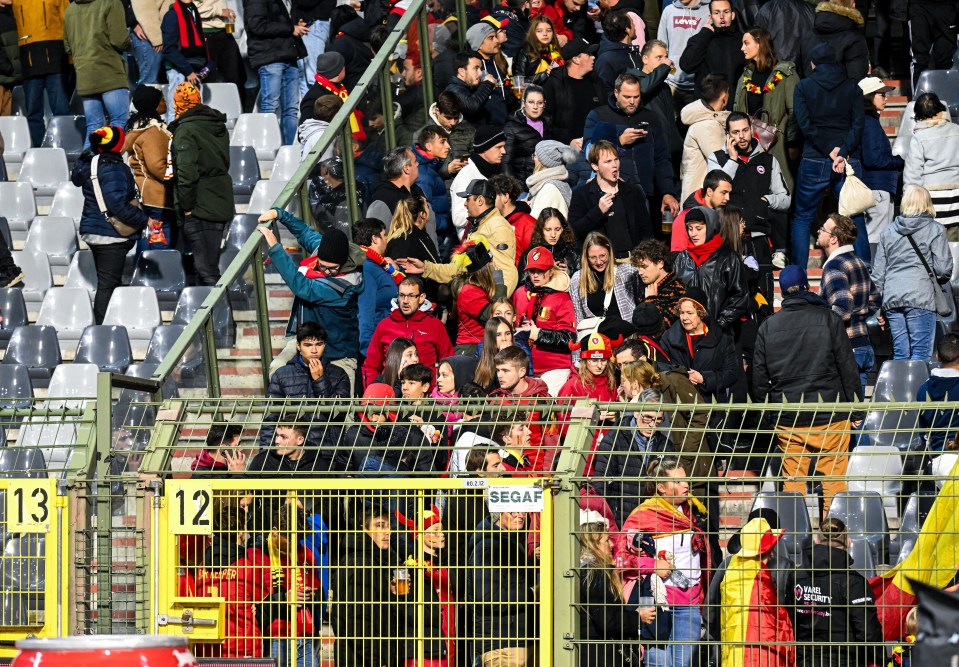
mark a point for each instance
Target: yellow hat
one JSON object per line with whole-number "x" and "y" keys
{"x": 757, "y": 538}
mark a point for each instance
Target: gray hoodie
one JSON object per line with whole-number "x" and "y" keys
{"x": 899, "y": 273}
{"x": 677, "y": 24}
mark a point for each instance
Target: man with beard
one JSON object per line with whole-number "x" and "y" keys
{"x": 717, "y": 49}
{"x": 472, "y": 87}
{"x": 485, "y": 161}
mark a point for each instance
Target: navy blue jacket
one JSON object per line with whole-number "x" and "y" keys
{"x": 880, "y": 168}
{"x": 434, "y": 187}
{"x": 613, "y": 59}
{"x": 379, "y": 290}
{"x": 172, "y": 49}
{"x": 938, "y": 388}
{"x": 295, "y": 381}
{"x": 830, "y": 112}
{"x": 118, "y": 187}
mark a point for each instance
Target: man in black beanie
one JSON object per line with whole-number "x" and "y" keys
{"x": 485, "y": 161}
{"x": 326, "y": 288}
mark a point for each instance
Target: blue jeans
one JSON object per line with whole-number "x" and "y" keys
{"x": 280, "y": 90}
{"x": 656, "y": 657}
{"x": 305, "y": 652}
{"x": 865, "y": 360}
{"x": 315, "y": 43}
{"x": 33, "y": 89}
{"x": 687, "y": 622}
{"x": 148, "y": 60}
{"x": 114, "y": 104}
{"x": 913, "y": 331}
{"x": 814, "y": 177}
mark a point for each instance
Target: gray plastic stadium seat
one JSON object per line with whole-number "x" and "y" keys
{"x": 865, "y": 519}
{"x": 38, "y": 277}
{"x": 945, "y": 84}
{"x": 19, "y": 207}
{"x": 895, "y": 428}
{"x": 241, "y": 228}
{"x": 55, "y": 237}
{"x": 76, "y": 381}
{"x": 223, "y": 97}
{"x": 16, "y": 141}
{"x": 244, "y": 171}
{"x": 68, "y": 203}
{"x": 265, "y": 193}
{"x": 915, "y": 513}
{"x": 241, "y": 291}
{"x": 106, "y": 346}
{"x": 37, "y": 348}
{"x": 260, "y": 130}
{"x": 863, "y": 557}
{"x": 82, "y": 273}
{"x": 146, "y": 370}
{"x": 224, "y": 328}
{"x": 44, "y": 169}
{"x": 899, "y": 379}
{"x": 137, "y": 309}
{"x": 15, "y": 387}
{"x": 880, "y": 470}
{"x": 286, "y": 162}
{"x": 68, "y": 133}
{"x": 14, "y": 310}
{"x": 793, "y": 516}
{"x": 68, "y": 310}
{"x": 163, "y": 271}
{"x": 190, "y": 369}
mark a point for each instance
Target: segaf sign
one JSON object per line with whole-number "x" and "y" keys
{"x": 515, "y": 499}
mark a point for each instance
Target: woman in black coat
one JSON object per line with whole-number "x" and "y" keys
{"x": 702, "y": 348}
{"x": 523, "y": 131}
{"x": 553, "y": 232}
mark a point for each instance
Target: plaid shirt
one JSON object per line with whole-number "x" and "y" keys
{"x": 850, "y": 291}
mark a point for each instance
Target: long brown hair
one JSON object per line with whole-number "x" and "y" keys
{"x": 544, "y": 216}
{"x": 533, "y": 48}
{"x": 766, "y": 59}
{"x": 394, "y": 357}
{"x": 590, "y": 535}
{"x": 730, "y": 219}
{"x": 589, "y": 380}
{"x": 486, "y": 368}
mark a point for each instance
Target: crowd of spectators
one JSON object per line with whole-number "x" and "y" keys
{"x": 595, "y": 206}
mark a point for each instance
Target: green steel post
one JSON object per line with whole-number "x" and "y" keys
{"x": 565, "y": 526}
{"x": 349, "y": 174}
{"x": 386, "y": 102}
{"x": 305, "y": 214}
{"x": 426, "y": 62}
{"x": 104, "y": 509}
{"x": 260, "y": 289}
{"x": 209, "y": 356}
{"x": 461, "y": 23}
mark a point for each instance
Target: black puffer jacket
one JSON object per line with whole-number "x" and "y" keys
{"x": 521, "y": 140}
{"x": 803, "y": 355}
{"x": 472, "y": 100}
{"x": 621, "y": 465}
{"x": 841, "y": 28}
{"x": 833, "y": 606}
{"x": 561, "y": 105}
{"x": 526, "y": 65}
{"x": 502, "y": 577}
{"x": 613, "y": 59}
{"x": 562, "y": 252}
{"x": 269, "y": 34}
{"x": 789, "y": 22}
{"x": 714, "y": 356}
{"x": 715, "y": 52}
{"x": 722, "y": 277}
{"x": 353, "y": 43}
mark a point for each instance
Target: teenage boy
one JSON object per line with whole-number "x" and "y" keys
{"x": 511, "y": 368}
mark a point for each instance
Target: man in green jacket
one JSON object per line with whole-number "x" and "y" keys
{"x": 95, "y": 35}
{"x": 202, "y": 187}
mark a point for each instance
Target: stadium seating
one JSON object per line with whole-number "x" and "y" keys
{"x": 54, "y": 437}
{"x": 223, "y": 97}
{"x": 138, "y": 310}
{"x": 68, "y": 203}
{"x": 881, "y": 470}
{"x": 44, "y": 169}
{"x": 146, "y": 370}
{"x": 945, "y": 84}
{"x": 897, "y": 428}
{"x": 915, "y": 513}
{"x": 38, "y": 277}
{"x": 69, "y": 311}
{"x": 77, "y": 381}
{"x": 82, "y": 273}
{"x": 286, "y": 163}
{"x": 19, "y": 207}
{"x": 68, "y": 133}
{"x": 54, "y": 237}
{"x": 16, "y": 389}
{"x": 793, "y": 516}
{"x": 865, "y": 519}
{"x": 16, "y": 141}
{"x": 265, "y": 193}
{"x": 21, "y": 463}
{"x": 241, "y": 291}
{"x": 245, "y": 172}
{"x": 863, "y": 557}
{"x": 224, "y": 328}
{"x": 190, "y": 369}
{"x": 239, "y": 230}
{"x": 37, "y": 348}
{"x": 14, "y": 310}
{"x": 262, "y": 131}
{"x": 163, "y": 271}
{"x": 899, "y": 379}
{"x": 106, "y": 346}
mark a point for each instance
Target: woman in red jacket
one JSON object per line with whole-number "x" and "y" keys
{"x": 544, "y": 308}
{"x": 474, "y": 295}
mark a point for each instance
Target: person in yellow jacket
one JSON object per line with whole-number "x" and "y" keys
{"x": 484, "y": 221}
{"x": 42, "y": 59}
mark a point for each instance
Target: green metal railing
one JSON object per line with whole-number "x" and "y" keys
{"x": 200, "y": 327}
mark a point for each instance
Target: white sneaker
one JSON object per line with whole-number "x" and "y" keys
{"x": 779, "y": 259}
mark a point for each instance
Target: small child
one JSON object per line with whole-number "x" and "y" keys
{"x": 901, "y": 655}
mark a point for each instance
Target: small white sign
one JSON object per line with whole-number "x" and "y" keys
{"x": 515, "y": 499}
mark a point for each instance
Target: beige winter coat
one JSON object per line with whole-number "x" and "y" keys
{"x": 148, "y": 149}
{"x": 706, "y": 135}
{"x": 149, "y": 14}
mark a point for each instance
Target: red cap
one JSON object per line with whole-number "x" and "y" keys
{"x": 541, "y": 259}
{"x": 431, "y": 517}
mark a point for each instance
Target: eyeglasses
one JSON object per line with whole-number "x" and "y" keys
{"x": 408, "y": 296}
{"x": 649, "y": 420}
{"x": 328, "y": 270}
{"x": 827, "y": 231}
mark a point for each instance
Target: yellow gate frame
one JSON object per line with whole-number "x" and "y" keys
{"x": 34, "y": 507}
{"x": 172, "y": 614}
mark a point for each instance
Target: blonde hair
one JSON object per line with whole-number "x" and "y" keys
{"x": 587, "y": 283}
{"x": 590, "y": 536}
{"x": 404, "y": 219}
{"x": 643, "y": 374}
{"x": 912, "y": 621}
{"x": 916, "y": 201}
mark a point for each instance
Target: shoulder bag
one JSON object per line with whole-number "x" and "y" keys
{"x": 943, "y": 300}
{"x": 123, "y": 229}
{"x": 766, "y": 133}
{"x": 590, "y": 325}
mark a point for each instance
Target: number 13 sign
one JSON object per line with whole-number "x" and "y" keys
{"x": 29, "y": 506}
{"x": 190, "y": 507}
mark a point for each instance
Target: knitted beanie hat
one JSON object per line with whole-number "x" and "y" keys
{"x": 108, "y": 139}
{"x": 185, "y": 97}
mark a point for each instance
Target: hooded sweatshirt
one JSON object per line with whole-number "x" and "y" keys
{"x": 898, "y": 272}
{"x": 678, "y": 23}
{"x": 95, "y": 35}
{"x": 705, "y": 136}
{"x": 830, "y": 112}
{"x": 549, "y": 308}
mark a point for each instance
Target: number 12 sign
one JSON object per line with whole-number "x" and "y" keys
{"x": 190, "y": 507}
